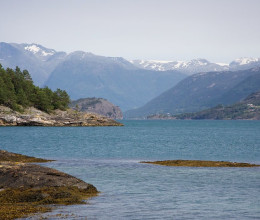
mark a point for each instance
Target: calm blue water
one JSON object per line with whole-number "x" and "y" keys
{"x": 108, "y": 158}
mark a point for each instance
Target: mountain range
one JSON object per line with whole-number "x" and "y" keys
{"x": 84, "y": 74}
{"x": 115, "y": 79}
{"x": 201, "y": 91}
{"x": 197, "y": 65}
{"x": 127, "y": 84}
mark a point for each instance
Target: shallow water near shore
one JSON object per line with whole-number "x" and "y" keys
{"x": 108, "y": 157}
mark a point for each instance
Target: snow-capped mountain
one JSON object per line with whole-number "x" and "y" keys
{"x": 39, "y": 50}
{"x": 245, "y": 60}
{"x": 39, "y": 60}
{"x": 127, "y": 84}
{"x": 83, "y": 74}
{"x": 168, "y": 65}
{"x": 196, "y": 65}
{"x": 244, "y": 63}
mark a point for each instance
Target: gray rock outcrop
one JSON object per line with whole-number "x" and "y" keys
{"x": 99, "y": 106}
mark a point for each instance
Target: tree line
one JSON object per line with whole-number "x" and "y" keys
{"x": 17, "y": 91}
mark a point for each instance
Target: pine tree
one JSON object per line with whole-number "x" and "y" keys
{"x": 17, "y": 89}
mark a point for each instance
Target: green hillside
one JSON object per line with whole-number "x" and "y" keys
{"x": 202, "y": 91}
{"x": 247, "y": 109}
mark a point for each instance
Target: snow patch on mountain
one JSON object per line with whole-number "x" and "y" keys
{"x": 211, "y": 85}
{"x": 35, "y": 49}
{"x": 246, "y": 60}
{"x": 223, "y": 64}
{"x": 196, "y": 65}
{"x": 159, "y": 61}
{"x": 188, "y": 67}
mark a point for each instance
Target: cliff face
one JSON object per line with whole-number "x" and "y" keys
{"x": 34, "y": 117}
{"x": 99, "y": 106}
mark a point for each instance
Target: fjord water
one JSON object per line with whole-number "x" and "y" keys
{"x": 108, "y": 157}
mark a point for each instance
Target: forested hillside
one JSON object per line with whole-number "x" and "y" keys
{"x": 202, "y": 91}
{"x": 17, "y": 91}
{"x": 246, "y": 109}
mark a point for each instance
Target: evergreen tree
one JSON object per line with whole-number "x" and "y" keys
{"x": 3, "y": 90}
{"x": 17, "y": 89}
{"x": 43, "y": 101}
{"x": 61, "y": 99}
{"x": 22, "y": 98}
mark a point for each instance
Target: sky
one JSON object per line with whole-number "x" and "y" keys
{"x": 218, "y": 30}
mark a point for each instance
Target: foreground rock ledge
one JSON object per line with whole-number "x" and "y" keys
{"x": 27, "y": 188}
{"x": 200, "y": 163}
{"x": 35, "y": 117}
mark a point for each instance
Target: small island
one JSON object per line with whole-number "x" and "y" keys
{"x": 199, "y": 163}
{"x": 27, "y": 188}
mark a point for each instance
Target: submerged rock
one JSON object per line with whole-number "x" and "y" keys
{"x": 200, "y": 163}
{"x": 6, "y": 156}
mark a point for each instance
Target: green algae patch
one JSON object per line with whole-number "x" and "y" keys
{"x": 13, "y": 157}
{"x": 199, "y": 163}
{"x": 19, "y": 210}
{"x": 17, "y": 203}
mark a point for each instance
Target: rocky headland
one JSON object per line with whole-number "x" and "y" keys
{"x": 27, "y": 188}
{"x": 200, "y": 163}
{"x": 34, "y": 117}
{"x": 99, "y": 106}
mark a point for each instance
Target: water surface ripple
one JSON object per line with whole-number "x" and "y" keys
{"x": 108, "y": 158}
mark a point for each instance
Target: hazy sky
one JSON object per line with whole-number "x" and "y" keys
{"x": 218, "y": 30}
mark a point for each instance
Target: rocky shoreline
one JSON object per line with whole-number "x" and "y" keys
{"x": 200, "y": 163}
{"x": 35, "y": 117}
{"x": 30, "y": 188}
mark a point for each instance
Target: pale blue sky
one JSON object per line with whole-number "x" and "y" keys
{"x": 218, "y": 30}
